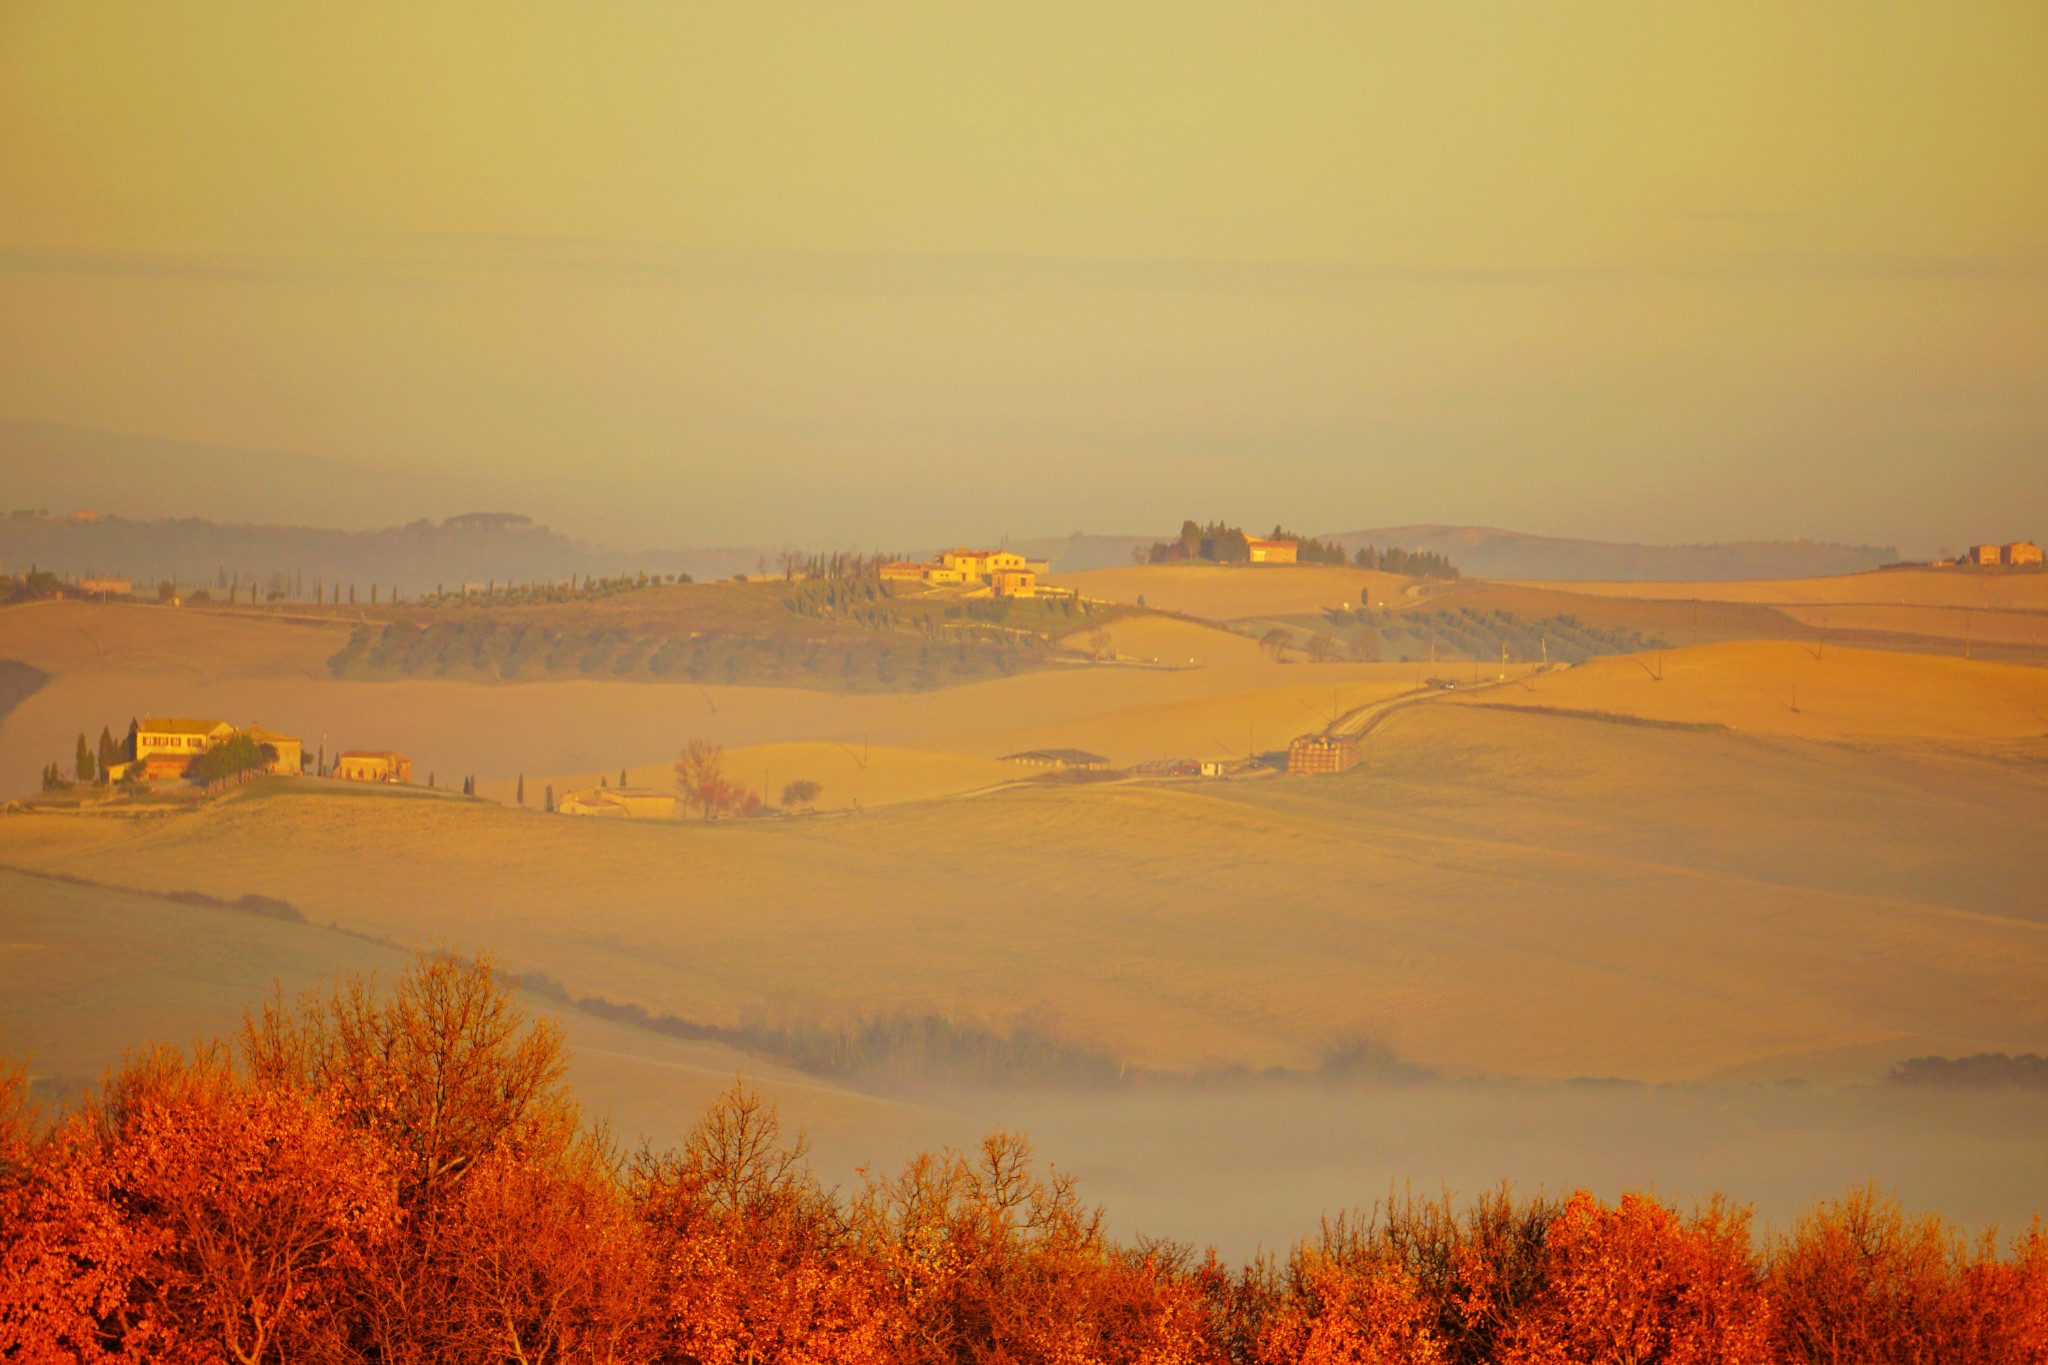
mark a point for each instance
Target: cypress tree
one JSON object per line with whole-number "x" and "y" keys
{"x": 522, "y": 789}
{"x": 551, "y": 799}
{"x": 83, "y": 763}
{"x": 109, "y": 755}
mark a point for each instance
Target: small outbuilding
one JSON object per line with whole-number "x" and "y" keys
{"x": 1079, "y": 759}
{"x": 372, "y": 765}
{"x": 631, "y": 803}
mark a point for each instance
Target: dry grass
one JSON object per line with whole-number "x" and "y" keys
{"x": 2022, "y": 629}
{"x": 1810, "y": 691}
{"x": 92, "y": 974}
{"x": 1907, "y": 587}
{"x": 181, "y": 644}
{"x": 1498, "y": 892}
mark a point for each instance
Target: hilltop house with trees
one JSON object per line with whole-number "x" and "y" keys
{"x": 1219, "y": 543}
{"x": 983, "y": 573}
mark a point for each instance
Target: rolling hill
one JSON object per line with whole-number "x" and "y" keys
{"x": 1487, "y": 552}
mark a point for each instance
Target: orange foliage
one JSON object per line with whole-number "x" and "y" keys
{"x": 753, "y": 1261}
{"x": 402, "y": 1178}
{"x": 1342, "y": 1315}
{"x": 1859, "y": 1281}
{"x": 191, "y": 1216}
{"x": 1636, "y": 1283}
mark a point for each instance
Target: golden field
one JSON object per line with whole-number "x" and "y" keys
{"x": 94, "y": 973}
{"x": 1614, "y": 900}
{"x": 1811, "y": 691}
{"x": 569, "y": 733}
{"x": 2021, "y": 591}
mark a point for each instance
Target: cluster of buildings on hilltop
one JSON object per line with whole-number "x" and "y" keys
{"x": 981, "y": 573}
{"x": 165, "y": 747}
{"x": 2016, "y": 554}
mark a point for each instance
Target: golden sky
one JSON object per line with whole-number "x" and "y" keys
{"x": 890, "y": 272}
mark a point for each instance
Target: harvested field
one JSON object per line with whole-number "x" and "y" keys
{"x": 2026, "y": 591}
{"x": 1812, "y": 691}
{"x": 1247, "y": 924}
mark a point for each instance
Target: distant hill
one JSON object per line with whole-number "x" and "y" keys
{"x": 417, "y": 557}
{"x": 61, "y": 469}
{"x": 1486, "y": 552}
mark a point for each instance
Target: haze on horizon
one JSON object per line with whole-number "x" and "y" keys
{"x": 688, "y": 274}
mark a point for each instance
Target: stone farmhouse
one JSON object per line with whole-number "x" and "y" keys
{"x": 2016, "y": 554}
{"x": 981, "y": 573}
{"x": 161, "y": 747}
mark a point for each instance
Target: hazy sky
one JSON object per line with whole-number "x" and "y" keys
{"x": 881, "y": 273}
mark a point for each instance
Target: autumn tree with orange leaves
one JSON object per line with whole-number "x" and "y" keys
{"x": 400, "y": 1176}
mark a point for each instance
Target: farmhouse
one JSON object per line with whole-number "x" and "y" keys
{"x": 2013, "y": 554}
{"x": 1271, "y": 551}
{"x": 372, "y": 765}
{"x": 633, "y": 803}
{"x": 1322, "y": 753}
{"x": 162, "y": 747}
{"x": 161, "y": 739}
{"x": 288, "y": 755}
{"x": 997, "y": 573}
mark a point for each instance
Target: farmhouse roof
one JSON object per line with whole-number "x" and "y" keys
{"x": 173, "y": 725}
{"x": 259, "y": 734}
{"x": 370, "y": 753}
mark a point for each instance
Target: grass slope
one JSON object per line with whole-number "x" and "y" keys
{"x": 1812, "y": 691}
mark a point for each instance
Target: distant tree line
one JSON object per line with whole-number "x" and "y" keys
{"x": 1221, "y": 543}
{"x": 284, "y": 563}
{"x": 803, "y": 564}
